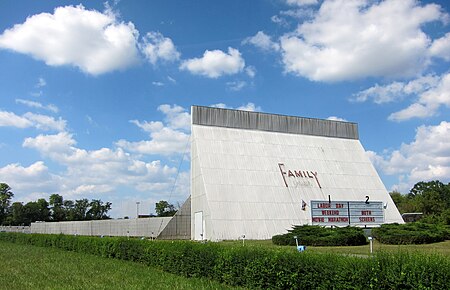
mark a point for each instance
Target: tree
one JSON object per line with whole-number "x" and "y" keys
{"x": 98, "y": 210}
{"x": 403, "y": 202}
{"x": 163, "y": 208}
{"x": 81, "y": 209}
{"x": 432, "y": 197}
{"x": 69, "y": 209}
{"x": 17, "y": 215}
{"x": 57, "y": 210}
{"x": 5, "y": 201}
{"x": 44, "y": 210}
{"x": 32, "y": 212}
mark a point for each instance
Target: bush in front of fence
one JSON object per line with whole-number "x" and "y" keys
{"x": 257, "y": 267}
{"x": 411, "y": 233}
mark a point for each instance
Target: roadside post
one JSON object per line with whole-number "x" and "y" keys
{"x": 300, "y": 248}
{"x": 371, "y": 244}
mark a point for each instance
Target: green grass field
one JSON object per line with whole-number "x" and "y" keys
{"x": 30, "y": 267}
{"x": 439, "y": 248}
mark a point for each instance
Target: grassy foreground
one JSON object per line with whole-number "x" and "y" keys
{"x": 30, "y": 267}
{"x": 442, "y": 248}
{"x": 251, "y": 266}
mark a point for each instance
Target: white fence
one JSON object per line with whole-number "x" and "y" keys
{"x": 142, "y": 227}
{"x": 15, "y": 229}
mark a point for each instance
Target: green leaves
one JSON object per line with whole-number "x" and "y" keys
{"x": 411, "y": 233}
{"x": 5, "y": 200}
{"x": 321, "y": 236}
{"x": 261, "y": 268}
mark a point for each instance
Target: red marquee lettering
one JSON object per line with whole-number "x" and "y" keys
{"x": 365, "y": 219}
{"x": 330, "y": 212}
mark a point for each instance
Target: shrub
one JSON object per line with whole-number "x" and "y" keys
{"x": 321, "y": 236}
{"x": 253, "y": 267}
{"x": 411, "y": 233}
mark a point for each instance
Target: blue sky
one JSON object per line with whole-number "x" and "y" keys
{"x": 95, "y": 96}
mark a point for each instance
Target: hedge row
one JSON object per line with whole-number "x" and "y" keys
{"x": 321, "y": 236}
{"x": 255, "y": 267}
{"x": 411, "y": 233}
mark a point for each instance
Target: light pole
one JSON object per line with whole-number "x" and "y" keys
{"x": 137, "y": 208}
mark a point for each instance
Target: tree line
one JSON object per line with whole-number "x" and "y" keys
{"x": 430, "y": 198}
{"x": 55, "y": 209}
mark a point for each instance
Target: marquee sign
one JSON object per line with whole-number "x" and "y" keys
{"x": 344, "y": 213}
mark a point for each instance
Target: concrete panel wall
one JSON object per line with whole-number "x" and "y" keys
{"x": 144, "y": 227}
{"x": 15, "y": 229}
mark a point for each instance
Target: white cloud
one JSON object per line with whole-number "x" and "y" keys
{"x": 165, "y": 142}
{"x": 93, "y": 41}
{"x": 172, "y": 80}
{"x": 356, "y": 39}
{"x": 177, "y": 117}
{"x": 413, "y": 111}
{"x": 220, "y": 106}
{"x": 35, "y": 178}
{"x": 157, "y": 47}
{"x": 300, "y": 13}
{"x": 36, "y": 94}
{"x": 250, "y": 71}
{"x": 46, "y": 123}
{"x": 53, "y": 146}
{"x": 27, "y": 120}
{"x": 166, "y": 139}
{"x": 215, "y": 63}
{"x": 382, "y": 94}
{"x": 397, "y": 90}
{"x": 249, "y": 107}
{"x": 426, "y": 158}
{"x": 262, "y": 41}
{"x": 279, "y": 20}
{"x": 334, "y": 118}
{"x": 246, "y": 107}
{"x": 158, "y": 84}
{"x": 148, "y": 126}
{"x": 9, "y": 119}
{"x": 33, "y": 104}
{"x": 441, "y": 47}
{"x": 430, "y": 98}
{"x": 97, "y": 171}
{"x": 236, "y": 85}
{"x": 301, "y": 2}
{"x": 41, "y": 83}
{"x": 92, "y": 189}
